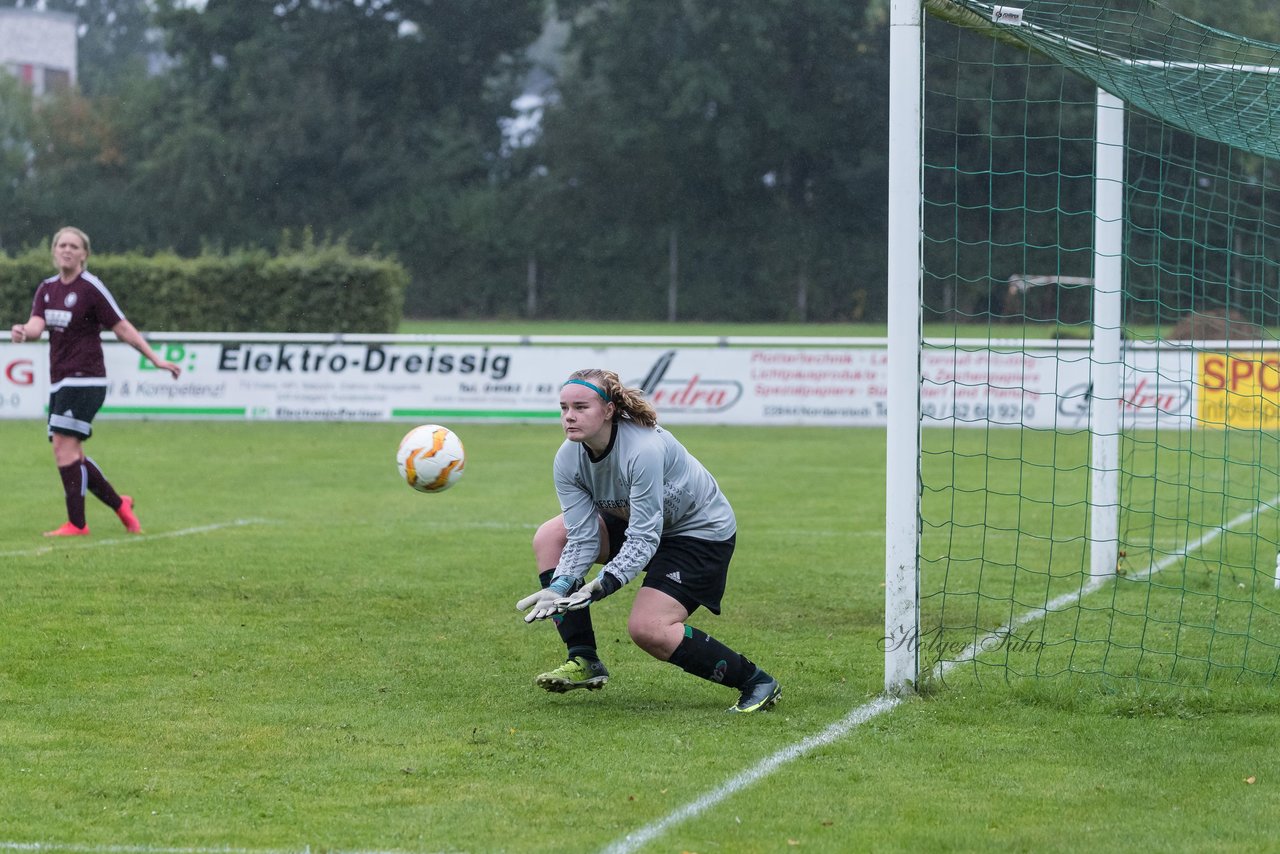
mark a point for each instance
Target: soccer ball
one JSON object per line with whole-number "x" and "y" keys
{"x": 430, "y": 458}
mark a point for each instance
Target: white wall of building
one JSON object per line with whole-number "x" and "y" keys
{"x": 39, "y": 47}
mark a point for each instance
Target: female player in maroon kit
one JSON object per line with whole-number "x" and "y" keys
{"x": 75, "y": 307}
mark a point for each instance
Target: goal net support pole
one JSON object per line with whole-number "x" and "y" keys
{"x": 1107, "y": 365}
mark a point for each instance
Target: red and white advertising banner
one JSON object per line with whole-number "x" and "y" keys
{"x": 1051, "y": 388}
{"x": 417, "y": 378}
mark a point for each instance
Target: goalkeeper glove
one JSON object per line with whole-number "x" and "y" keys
{"x": 542, "y": 604}
{"x": 599, "y": 587}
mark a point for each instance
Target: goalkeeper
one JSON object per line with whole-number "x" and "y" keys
{"x": 635, "y": 500}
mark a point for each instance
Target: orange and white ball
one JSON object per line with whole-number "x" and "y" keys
{"x": 431, "y": 458}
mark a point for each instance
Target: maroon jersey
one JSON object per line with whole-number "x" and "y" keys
{"x": 75, "y": 315}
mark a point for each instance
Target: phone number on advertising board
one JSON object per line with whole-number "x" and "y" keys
{"x": 1004, "y": 412}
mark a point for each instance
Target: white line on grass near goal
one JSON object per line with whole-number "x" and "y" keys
{"x": 760, "y": 770}
{"x": 147, "y": 849}
{"x": 134, "y": 849}
{"x": 885, "y": 702}
{"x": 132, "y": 538}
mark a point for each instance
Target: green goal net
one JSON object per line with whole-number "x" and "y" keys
{"x": 1099, "y": 406}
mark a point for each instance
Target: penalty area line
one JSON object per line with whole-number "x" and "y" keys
{"x": 132, "y": 538}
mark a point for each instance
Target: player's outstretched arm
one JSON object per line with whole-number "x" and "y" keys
{"x": 127, "y": 333}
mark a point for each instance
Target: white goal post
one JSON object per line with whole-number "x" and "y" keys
{"x": 902, "y": 432}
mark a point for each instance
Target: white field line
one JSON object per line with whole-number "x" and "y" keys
{"x": 883, "y": 703}
{"x": 147, "y": 849}
{"x": 136, "y": 849}
{"x": 64, "y": 545}
{"x": 755, "y": 773}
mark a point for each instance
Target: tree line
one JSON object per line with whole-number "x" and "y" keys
{"x": 692, "y": 160}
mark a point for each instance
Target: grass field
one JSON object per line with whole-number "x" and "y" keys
{"x": 300, "y": 653}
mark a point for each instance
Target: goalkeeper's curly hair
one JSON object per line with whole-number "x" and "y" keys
{"x": 629, "y": 403}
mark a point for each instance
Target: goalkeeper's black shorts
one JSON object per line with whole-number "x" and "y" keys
{"x": 690, "y": 570}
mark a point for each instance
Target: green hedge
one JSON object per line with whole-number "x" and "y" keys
{"x": 324, "y": 289}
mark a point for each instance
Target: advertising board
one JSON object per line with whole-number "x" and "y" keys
{"x": 833, "y": 382}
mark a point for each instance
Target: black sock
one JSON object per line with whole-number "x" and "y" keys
{"x": 574, "y": 626}
{"x": 100, "y": 486}
{"x": 707, "y": 658}
{"x": 73, "y": 487}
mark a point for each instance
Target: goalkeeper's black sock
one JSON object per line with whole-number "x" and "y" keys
{"x": 574, "y": 626}
{"x": 707, "y": 658}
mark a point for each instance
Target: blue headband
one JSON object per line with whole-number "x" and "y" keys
{"x": 591, "y": 386}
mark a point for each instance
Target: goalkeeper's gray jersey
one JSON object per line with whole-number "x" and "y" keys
{"x": 647, "y": 478}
